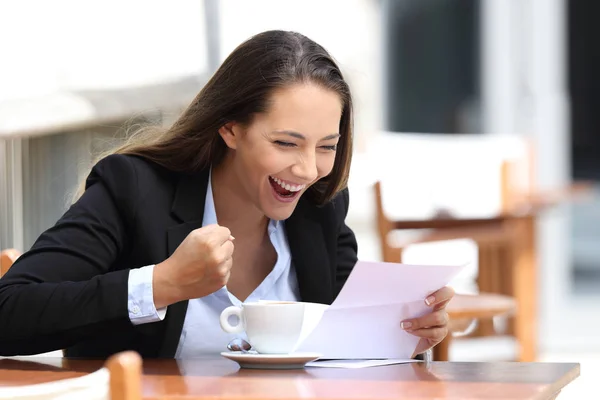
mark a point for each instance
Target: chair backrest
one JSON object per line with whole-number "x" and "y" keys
{"x": 448, "y": 252}
{"x": 7, "y": 259}
{"x": 119, "y": 379}
{"x": 448, "y": 246}
{"x": 417, "y": 176}
{"x": 469, "y": 175}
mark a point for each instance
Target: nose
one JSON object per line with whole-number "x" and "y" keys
{"x": 306, "y": 167}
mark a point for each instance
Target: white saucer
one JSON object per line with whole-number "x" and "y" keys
{"x": 270, "y": 361}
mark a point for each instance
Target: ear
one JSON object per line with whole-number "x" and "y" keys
{"x": 229, "y": 134}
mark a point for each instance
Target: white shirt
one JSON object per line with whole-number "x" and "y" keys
{"x": 201, "y": 333}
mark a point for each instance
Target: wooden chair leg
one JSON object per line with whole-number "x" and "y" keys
{"x": 486, "y": 284}
{"x": 525, "y": 287}
{"x": 441, "y": 352}
{"x": 507, "y": 286}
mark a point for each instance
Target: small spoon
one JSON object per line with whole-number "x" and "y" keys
{"x": 238, "y": 344}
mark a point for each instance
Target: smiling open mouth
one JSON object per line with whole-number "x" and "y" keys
{"x": 285, "y": 190}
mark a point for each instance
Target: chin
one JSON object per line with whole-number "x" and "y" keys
{"x": 279, "y": 213}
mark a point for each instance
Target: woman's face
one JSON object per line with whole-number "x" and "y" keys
{"x": 286, "y": 149}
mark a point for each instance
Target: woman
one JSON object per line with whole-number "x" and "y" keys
{"x": 243, "y": 198}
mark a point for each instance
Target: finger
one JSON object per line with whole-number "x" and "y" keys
{"x": 224, "y": 272}
{"x": 227, "y": 276}
{"x": 423, "y": 346}
{"x": 437, "y": 334}
{"x": 440, "y": 297}
{"x": 441, "y": 306}
{"x": 220, "y": 235}
{"x": 227, "y": 249}
{"x": 215, "y": 233}
{"x": 225, "y": 266}
{"x": 433, "y": 319}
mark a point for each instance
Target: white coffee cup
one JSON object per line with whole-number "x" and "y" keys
{"x": 274, "y": 327}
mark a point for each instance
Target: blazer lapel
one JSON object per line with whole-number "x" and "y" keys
{"x": 188, "y": 207}
{"x": 310, "y": 257}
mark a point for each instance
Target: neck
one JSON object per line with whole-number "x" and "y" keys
{"x": 233, "y": 209}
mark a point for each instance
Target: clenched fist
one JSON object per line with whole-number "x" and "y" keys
{"x": 199, "y": 267}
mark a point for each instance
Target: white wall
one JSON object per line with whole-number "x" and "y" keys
{"x": 49, "y": 46}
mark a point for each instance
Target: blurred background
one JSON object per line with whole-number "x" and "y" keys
{"x": 465, "y": 110}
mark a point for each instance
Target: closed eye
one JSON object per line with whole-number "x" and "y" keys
{"x": 330, "y": 148}
{"x": 284, "y": 144}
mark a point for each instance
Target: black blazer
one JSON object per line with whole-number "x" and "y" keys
{"x": 70, "y": 290}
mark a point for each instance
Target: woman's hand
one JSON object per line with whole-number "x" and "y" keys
{"x": 433, "y": 327}
{"x": 198, "y": 267}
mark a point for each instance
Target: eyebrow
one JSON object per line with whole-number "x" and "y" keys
{"x": 302, "y": 137}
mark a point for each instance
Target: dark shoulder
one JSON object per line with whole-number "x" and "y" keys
{"x": 130, "y": 179}
{"x": 334, "y": 211}
{"x": 127, "y": 172}
{"x": 340, "y": 204}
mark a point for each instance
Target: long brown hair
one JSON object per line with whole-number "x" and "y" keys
{"x": 239, "y": 89}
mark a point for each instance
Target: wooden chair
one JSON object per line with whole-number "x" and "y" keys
{"x": 463, "y": 309}
{"x": 468, "y": 186}
{"x": 7, "y": 259}
{"x": 119, "y": 379}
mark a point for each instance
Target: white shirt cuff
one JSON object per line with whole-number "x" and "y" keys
{"x": 140, "y": 300}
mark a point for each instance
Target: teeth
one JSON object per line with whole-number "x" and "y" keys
{"x": 287, "y": 186}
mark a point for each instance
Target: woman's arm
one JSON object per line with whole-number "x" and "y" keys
{"x": 63, "y": 290}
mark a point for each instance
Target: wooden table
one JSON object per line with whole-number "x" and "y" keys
{"x": 222, "y": 379}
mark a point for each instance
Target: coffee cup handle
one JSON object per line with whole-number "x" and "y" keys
{"x": 224, "y": 320}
